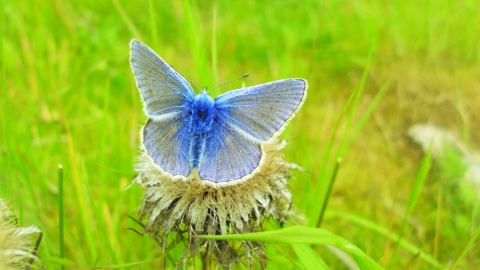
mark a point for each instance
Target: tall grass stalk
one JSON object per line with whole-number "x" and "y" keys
{"x": 61, "y": 216}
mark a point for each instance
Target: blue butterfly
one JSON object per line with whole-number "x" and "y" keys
{"x": 222, "y": 139}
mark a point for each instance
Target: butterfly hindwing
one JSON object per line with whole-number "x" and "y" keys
{"x": 164, "y": 92}
{"x": 261, "y": 111}
{"x": 168, "y": 143}
{"x": 228, "y": 155}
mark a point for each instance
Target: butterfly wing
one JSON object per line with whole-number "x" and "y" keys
{"x": 168, "y": 143}
{"x": 261, "y": 112}
{"x": 164, "y": 92}
{"x": 167, "y": 99}
{"x": 228, "y": 156}
{"x": 245, "y": 119}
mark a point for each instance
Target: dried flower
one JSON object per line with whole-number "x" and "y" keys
{"x": 15, "y": 242}
{"x": 193, "y": 207}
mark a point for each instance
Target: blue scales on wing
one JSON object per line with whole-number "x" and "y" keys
{"x": 228, "y": 155}
{"x": 164, "y": 92}
{"x": 222, "y": 138}
{"x": 167, "y": 99}
{"x": 247, "y": 118}
{"x": 168, "y": 143}
{"x": 261, "y": 111}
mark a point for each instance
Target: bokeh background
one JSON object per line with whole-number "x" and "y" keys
{"x": 68, "y": 97}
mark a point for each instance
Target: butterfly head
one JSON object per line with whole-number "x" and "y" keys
{"x": 203, "y": 104}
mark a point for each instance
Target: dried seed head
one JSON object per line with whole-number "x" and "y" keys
{"x": 16, "y": 243}
{"x": 191, "y": 207}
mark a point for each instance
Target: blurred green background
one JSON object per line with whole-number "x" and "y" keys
{"x": 68, "y": 97}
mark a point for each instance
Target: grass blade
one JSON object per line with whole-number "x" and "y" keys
{"x": 60, "y": 213}
{"x": 316, "y": 208}
{"x": 329, "y": 190}
{"x": 415, "y": 193}
{"x": 467, "y": 248}
{"x": 127, "y": 20}
{"x": 308, "y": 257}
{"x": 374, "y": 227}
{"x": 195, "y": 35}
{"x": 153, "y": 24}
{"x": 304, "y": 235}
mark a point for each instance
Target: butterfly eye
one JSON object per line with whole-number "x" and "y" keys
{"x": 190, "y": 112}
{"x": 201, "y": 113}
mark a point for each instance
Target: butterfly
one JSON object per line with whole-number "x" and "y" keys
{"x": 222, "y": 139}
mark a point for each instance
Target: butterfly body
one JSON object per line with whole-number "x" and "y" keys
{"x": 221, "y": 139}
{"x": 203, "y": 121}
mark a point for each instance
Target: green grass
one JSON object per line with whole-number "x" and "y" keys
{"x": 374, "y": 69}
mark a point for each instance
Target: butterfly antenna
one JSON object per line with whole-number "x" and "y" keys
{"x": 188, "y": 79}
{"x": 244, "y": 76}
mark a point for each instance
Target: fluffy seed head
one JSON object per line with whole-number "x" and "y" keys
{"x": 191, "y": 207}
{"x": 16, "y": 243}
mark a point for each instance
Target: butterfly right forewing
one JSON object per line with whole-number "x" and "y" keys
{"x": 262, "y": 111}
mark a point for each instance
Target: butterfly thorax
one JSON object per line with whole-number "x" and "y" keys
{"x": 203, "y": 115}
{"x": 203, "y": 105}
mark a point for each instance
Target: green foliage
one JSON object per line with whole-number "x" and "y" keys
{"x": 305, "y": 235}
{"x": 374, "y": 68}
